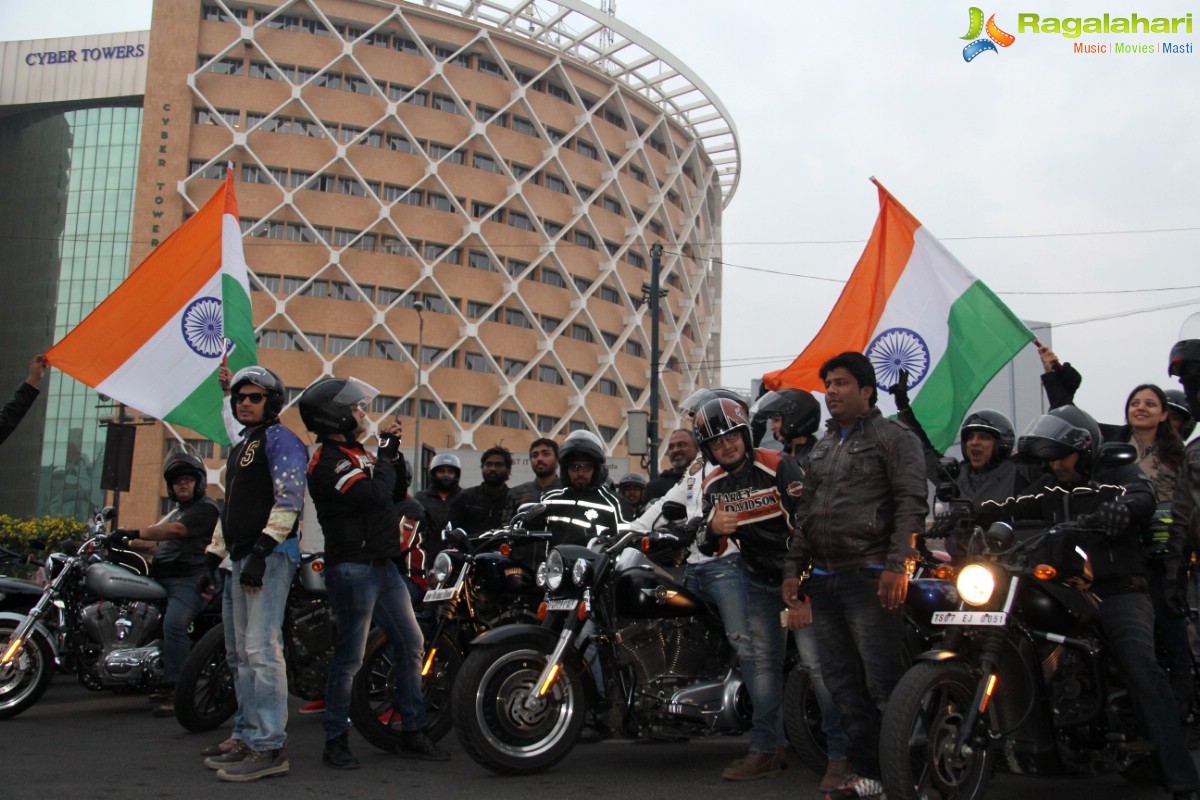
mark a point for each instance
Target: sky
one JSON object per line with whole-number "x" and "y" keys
{"x": 1065, "y": 181}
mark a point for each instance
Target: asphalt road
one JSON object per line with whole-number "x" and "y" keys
{"x": 77, "y": 743}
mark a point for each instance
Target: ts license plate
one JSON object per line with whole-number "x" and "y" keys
{"x": 970, "y": 618}
{"x": 562, "y": 605}
{"x": 438, "y": 595}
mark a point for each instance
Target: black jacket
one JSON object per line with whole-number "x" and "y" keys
{"x": 184, "y": 557}
{"x": 264, "y": 488}
{"x": 353, "y": 495}
{"x": 476, "y": 511}
{"x": 528, "y": 492}
{"x": 661, "y": 485}
{"x": 14, "y": 410}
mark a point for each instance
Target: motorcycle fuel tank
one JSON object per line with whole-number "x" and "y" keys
{"x": 644, "y": 590}
{"x": 495, "y": 573}
{"x": 1053, "y": 607}
{"x": 117, "y": 583}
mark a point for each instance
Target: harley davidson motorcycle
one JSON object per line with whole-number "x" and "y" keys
{"x": 476, "y": 585}
{"x": 100, "y": 617}
{"x": 622, "y": 622}
{"x": 205, "y": 695}
{"x": 1021, "y": 679}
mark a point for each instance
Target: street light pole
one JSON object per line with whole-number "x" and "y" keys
{"x": 418, "y": 477}
{"x": 655, "y": 272}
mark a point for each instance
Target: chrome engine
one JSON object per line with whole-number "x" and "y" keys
{"x": 121, "y": 632}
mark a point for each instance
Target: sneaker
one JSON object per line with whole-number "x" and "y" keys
{"x": 756, "y": 765}
{"x": 417, "y": 744}
{"x": 836, "y": 773}
{"x": 221, "y": 748}
{"x": 315, "y": 707}
{"x": 257, "y": 764}
{"x": 337, "y": 753}
{"x": 231, "y": 756}
{"x": 855, "y": 787}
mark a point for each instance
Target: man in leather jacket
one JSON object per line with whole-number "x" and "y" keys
{"x": 862, "y": 508}
{"x": 481, "y": 508}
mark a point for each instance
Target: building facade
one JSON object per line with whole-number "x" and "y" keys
{"x": 504, "y": 166}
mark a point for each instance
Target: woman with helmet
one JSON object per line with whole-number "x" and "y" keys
{"x": 264, "y": 494}
{"x": 179, "y": 540}
{"x": 353, "y": 492}
{"x": 1079, "y": 486}
{"x": 445, "y": 470}
{"x": 583, "y": 507}
{"x": 749, "y": 498}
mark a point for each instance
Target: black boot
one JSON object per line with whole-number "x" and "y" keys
{"x": 417, "y": 744}
{"x": 337, "y": 753}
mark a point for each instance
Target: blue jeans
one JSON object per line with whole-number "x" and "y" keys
{"x": 836, "y": 742}
{"x": 861, "y": 649}
{"x": 358, "y": 592}
{"x": 258, "y": 635}
{"x": 239, "y": 719}
{"x": 183, "y": 606}
{"x": 1128, "y": 624}
{"x": 749, "y": 609}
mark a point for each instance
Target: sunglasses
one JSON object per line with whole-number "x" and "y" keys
{"x": 253, "y": 397}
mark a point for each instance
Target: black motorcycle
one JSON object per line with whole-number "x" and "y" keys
{"x": 476, "y": 585}
{"x": 17, "y": 595}
{"x": 205, "y": 695}
{"x": 1021, "y": 679}
{"x": 621, "y": 622}
{"x": 99, "y": 616}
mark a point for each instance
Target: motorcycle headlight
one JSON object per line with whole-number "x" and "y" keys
{"x": 975, "y": 584}
{"x": 580, "y": 572}
{"x": 442, "y": 568}
{"x": 540, "y": 576}
{"x": 555, "y": 569}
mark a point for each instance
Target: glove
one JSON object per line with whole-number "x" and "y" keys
{"x": 389, "y": 447}
{"x": 899, "y": 391}
{"x": 122, "y": 536}
{"x": 1113, "y": 518}
{"x": 255, "y": 564}
{"x": 206, "y": 581}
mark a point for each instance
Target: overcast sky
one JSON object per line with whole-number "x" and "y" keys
{"x": 1042, "y": 169}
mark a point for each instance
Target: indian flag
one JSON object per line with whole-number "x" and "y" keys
{"x": 157, "y": 341}
{"x": 910, "y": 304}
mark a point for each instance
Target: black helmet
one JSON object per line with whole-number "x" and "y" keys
{"x": 692, "y": 403}
{"x": 1056, "y": 435}
{"x": 1177, "y": 401}
{"x": 1185, "y": 362}
{"x": 328, "y": 405}
{"x": 181, "y": 463}
{"x": 582, "y": 446}
{"x": 264, "y": 379}
{"x": 718, "y": 417}
{"x": 632, "y": 479}
{"x": 800, "y": 412}
{"x": 446, "y": 460}
{"x": 995, "y": 423}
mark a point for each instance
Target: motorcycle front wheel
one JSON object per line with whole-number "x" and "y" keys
{"x": 923, "y": 721}
{"x": 802, "y": 721}
{"x": 501, "y": 720}
{"x": 205, "y": 695}
{"x": 28, "y": 675}
{"x": 374, "y": 687}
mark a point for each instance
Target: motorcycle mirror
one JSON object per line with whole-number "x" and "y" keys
{"x": 108, "y": 513}
{"x": 455, "y": 537}
{"x": 949, "y": 467}
{"x": 1116, "y": 454}
{"x": 946, "y": 492}
{"x": 673, "y": 511}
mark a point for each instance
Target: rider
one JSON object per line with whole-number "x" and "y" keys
{"x": 632, "y": 487}
{"x": 750, "y": 497}
{"x": 353, "y": 492}
{"x": 543, "y": 460}
{"x": 1117, "y": 500}
{"x": 583, "y": 507}
{"x": 1180, "y": 414}
{"x": 178, "y": 559}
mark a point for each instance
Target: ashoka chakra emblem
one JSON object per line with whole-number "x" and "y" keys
{"x": 203, "y": 328}
{"x": 896, "y": 349}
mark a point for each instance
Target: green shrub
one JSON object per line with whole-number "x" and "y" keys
{"x": 19, "y": 534}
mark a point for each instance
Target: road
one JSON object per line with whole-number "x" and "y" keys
{"x": 77, "y": 743}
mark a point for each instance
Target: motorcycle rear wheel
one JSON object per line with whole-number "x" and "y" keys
{"x": 26, "y": 679}
{"x": 923, "y": 718}
{"x": 205, "y": 695}
{"x": 802, "y": 721}
{"x": 492, "y": 721}
{"x": 374, "y": 687}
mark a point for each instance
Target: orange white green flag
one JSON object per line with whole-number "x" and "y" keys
{"x": 910, "y": 304}
{"x": 157, "y": 341}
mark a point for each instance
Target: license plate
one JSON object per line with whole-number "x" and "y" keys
{"x": 438, "y": 595}
{"x": 561, "y": 605}
{"x": 970, "y": 618}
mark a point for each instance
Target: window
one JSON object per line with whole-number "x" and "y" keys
{"x": 431, "y": 410}
{"x": 351, "y": 186}
{"x": 434, "y": 252}
{"x": 517, "y": 318}
{"x": 405, "y": 45}
{"x": 553, "y": 277}
{"x": 587, "y": 149}
{"x": 489, "y": 67}
{"x": 515, "y": 267}
{"x": 519, "y": 170}
{"x": 252, "y": 174}
{"x": 446, "y": 103}
{"x": 395, "y": 247}
{"x": 609, "y": 339}
{"x": 655, "y": 227}
{"x": 401, "y": 145}
{"x": 613, "y": 118}
{"x": 215, "y": 171}
{"x": 218, "y": 14}
{"x": 585, "y": 192}
{"x": 347, "y": 134}
{"x": 511, "y": 419}
{"x": 554, "y": 90}
{"x": 633, "y": 348}
{"x": 384, "y": 403}
{"x": 480, "y": 260}
{"x": 474, "y": 414}
{"x": 388, "y": 350}
{"x": 444, "y": 152}
{"x": 485, "y": 163}
{"x": 329, "y": 80}
{"x": 584, "y": 240}
{"x": 554, "y": 183}
{"x": 548, "y": 374}
{"x": 555, "y": 135}
{"x": 298, "y": 177}
{"x": 226, "y": 66}
{"x": 673, "y": 197}
{"x": 607, "y": 387}
{"x": 270, "y": 283}
{"x": 267, "y": 229}
{"x": 386, "y": 295}
{"x": 477, "y": 310}
{"x": 635, "y": 260}
{"x": 380, "y": 39}
{"x": 284, "y": 22}
{"x": 550, "y": 324}
{"x": 353, "y": 83}
{"x": 546, "y": 423}
{"x": 658, "y": 145}
{"x": 552, "y": 228}
{"x": 431, "y": 354}
{"x": 441, "y": 305}
{"x": 612, "y": 206}
{"x": 232, "y": 117}
{"x": 446, "y": 54}
{"x": 582, "y": 284}
{"x": 265, "y": 70}
{"x": 519, "y": 220}
{"x": 438, "y": 202}
{"x": 637, "y": 173}
{"x": 477, "y": 362}
{"x": 513, "y": 367}
{"x": 522, "y": 125}
{"x": 607, "y": 433}
{"x": 347, "y": 346}
{"x": 481, "y": 210}
{"x": 610, "y": 295}
{"x": 581, "y": 332}
{"x": 580, "y": 379}
{"x": 576, "y": 425}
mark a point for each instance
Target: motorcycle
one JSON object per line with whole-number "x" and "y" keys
{"x": 99, "y": 616}
{"x": 1021, "y": 680}
{"x": 476, "y": 585}
{"x": 205, "y": 695}
{"x": 17, "y": 595}
{"x": 626, "y": 635}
